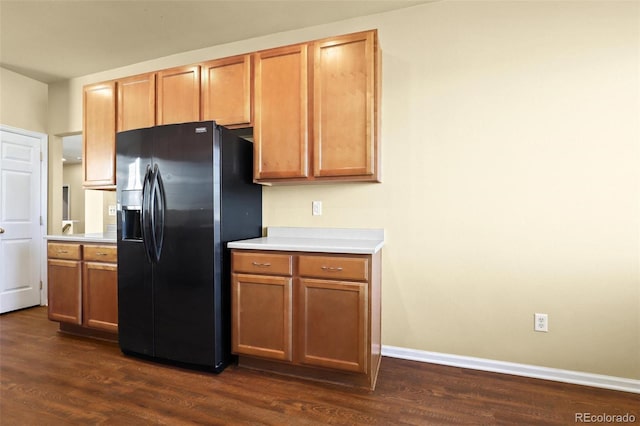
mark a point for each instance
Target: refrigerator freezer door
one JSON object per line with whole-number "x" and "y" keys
{"x": 135, "y": 293}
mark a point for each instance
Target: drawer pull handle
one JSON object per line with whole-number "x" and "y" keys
{"x": 101, "y": 254}
{"x": 331, "y": 268}
{"x": 63, "y": 251}
{"x": 261, "y": 265}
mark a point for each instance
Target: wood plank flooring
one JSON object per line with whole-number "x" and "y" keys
{"x": 48, "y": 378}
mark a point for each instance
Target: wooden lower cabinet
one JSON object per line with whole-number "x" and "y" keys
{"x": 332, "y": 323}
{"x": 83, "y": 288}
{"x": 262, "y": 320}
{"x": 65, "y": 290}
{"x": 100, "y": 288}
{"x": 319, "y": 318}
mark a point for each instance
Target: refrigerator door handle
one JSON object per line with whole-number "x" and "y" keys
{"x": 146, "y": 213}
{"x": 157, "y": 208}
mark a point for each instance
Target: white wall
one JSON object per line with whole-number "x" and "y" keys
{"x": 511, "y": 180}
{"x": 23, "y": 102}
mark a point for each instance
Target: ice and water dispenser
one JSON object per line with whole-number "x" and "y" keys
{"x": 131, "y": 215}
{"x": 130, "y": 203}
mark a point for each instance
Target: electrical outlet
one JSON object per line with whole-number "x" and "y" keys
{"x": 541, "y": 322}
{"x": 112, "y": 210}
{"x": 316, "y": 208}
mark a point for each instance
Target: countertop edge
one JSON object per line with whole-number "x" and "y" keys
{"x": 370, "y": 247}
{"x": 82, "y": 238}
{"x": 316, "y": 240}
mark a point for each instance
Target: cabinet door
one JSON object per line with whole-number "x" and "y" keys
{"x": 99, "y": 135}
{"x": 136, "y": 102}
{"x": 100, "y": 287}
{"x": 178, "y": 95}
{"x": 65, "y": 290}
{"x": 344, "y": 106}
{"x": 332, "y": 321}
{"x": 261, "y": 316}
{"x": 281, "y": 121}
{"x": 227, "y": 91}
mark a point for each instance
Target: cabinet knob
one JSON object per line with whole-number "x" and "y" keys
{"x": 1, "y": 230}
{"x": 331, "y": 268}
{"x": 261, "y": 265}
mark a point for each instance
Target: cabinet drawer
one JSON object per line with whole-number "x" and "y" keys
{"x": 100, "y": 253}
{"x": 64, "y": 251}
{"x": 262, "y": 263}
{"x": 335, "y": 267}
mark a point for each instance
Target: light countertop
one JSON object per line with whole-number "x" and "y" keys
{"x": 106, "y": 237}
{"x": 324, "y": 240}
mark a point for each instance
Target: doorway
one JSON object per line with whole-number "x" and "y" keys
{"x": 73, "y": 193}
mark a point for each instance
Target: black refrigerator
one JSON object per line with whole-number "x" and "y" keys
{"x": 183, "y": 192}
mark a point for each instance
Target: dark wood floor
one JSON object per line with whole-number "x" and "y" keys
{"x": 47, "y": 378}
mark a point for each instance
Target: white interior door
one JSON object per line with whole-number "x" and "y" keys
{"x": 21, "y": 239}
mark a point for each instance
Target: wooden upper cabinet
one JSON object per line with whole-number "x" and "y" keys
{"x": 136, "y": 102}
{"x": 317, "y": 116}
{"x": 227, "y": 91}
{"x": 314, "y": 108}
{"x": 178, "y": 95}
{"x": 345, "y": 106}
{"x": 99, "y": 135}
{"x": 281, "y": 122}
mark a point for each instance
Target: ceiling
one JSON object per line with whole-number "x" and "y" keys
{"x": 52, "y": 40}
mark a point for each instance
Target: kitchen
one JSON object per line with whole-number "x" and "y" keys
{"x": 466, "y": 101}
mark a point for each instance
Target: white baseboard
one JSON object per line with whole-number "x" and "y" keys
{"x": 533, "y": 371}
